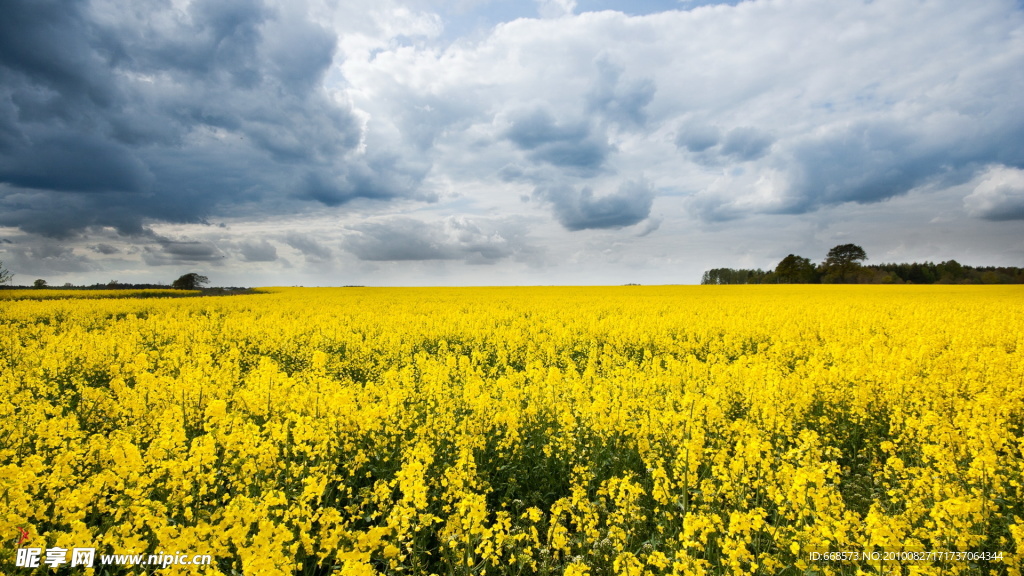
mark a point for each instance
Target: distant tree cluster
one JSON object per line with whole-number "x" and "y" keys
{"x": 734, "y": 276}
{"x": 190, "y": 281}
{"x": 843, "y": 265}
{"x": 949, "y": 272}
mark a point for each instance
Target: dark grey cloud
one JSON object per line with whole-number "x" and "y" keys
{"x": 697, "y": 137}
{"x": 133, "y": 112}
{"x": 708, "y": 146}
{"x": 381, "y": 177}
{"x": 261, "y": 251}
{"x": 861, "y": 162}
{"x": 326, "y": 188}
{"x": 191, "y": 251}
{"x": 51, "y": 44}
{"x": 1008, "y": 209}
{"x": 300, "y": 52}
{"x": 579, "y": 209}
{"x": 167, "y": 252}
{"x": 75, "y": 163}
{"x": 865, "y": 163}
{"x": 46, "y": 257}
{"x": 566, "y": 145}
{"x": 312, "y": 249}
{"x": 467, "y": 240}
{"x": 620, "y": 100}
{"x": 64, "y": 215}
{"x": 398, "y": 240}
{"x": 105, "y": 249}
{"x": 513, "y": 173}
{"x": 535, "y": 128}
{"x": 746, "y": 143}
{"x": 871, "y": 162}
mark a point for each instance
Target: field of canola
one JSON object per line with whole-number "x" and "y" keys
{"x": 566, "y": 431}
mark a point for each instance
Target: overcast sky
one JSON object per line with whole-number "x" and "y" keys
{"x": 480, "y": 142}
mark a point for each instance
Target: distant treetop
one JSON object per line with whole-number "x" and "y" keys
{"x": 842, "y": 263}
{"x": 190, "y": 281}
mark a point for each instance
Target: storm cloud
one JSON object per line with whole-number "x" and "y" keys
{"x": 167, "y": 251}
{"x": 567, "y": 145}
{"x": 138, "y": 113}
{"x": 580, "y": 209}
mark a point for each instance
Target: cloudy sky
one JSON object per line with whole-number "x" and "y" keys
{"x": 430, "y": 142}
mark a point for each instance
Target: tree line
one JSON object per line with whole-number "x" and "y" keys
{"x": 190, "y": 281}
{"x": 843, "y": 265}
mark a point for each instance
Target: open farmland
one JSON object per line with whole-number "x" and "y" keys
{"x": 577, "y": 431}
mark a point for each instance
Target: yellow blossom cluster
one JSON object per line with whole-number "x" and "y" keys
{"x": 634, "y": 431}
{"x": 64, "y": 294}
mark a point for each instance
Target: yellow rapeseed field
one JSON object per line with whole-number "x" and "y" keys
{"x": 58, "y": 294}
{"x": 506, "y": 431}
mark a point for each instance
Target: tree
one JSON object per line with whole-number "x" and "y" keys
{"x": 842, "y": 262}
{"x": 732, "y": 276}
{"x": 950, "y": 271}
{"x": 5, "y": 275}
{"x": 795, "y": 269}
{"x": 39, "y": 283}
{"x": 190, "y": 281}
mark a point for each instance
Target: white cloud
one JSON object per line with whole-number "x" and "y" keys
{"x": 838, "y": 102}
{"x": 771, "y": 113}
{"x": 998, "y": 195}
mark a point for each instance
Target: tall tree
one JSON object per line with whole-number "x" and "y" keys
{"x": 5, "y": 274}
{"x": 843, "y": 261}
{"x": 795, "y": 269}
